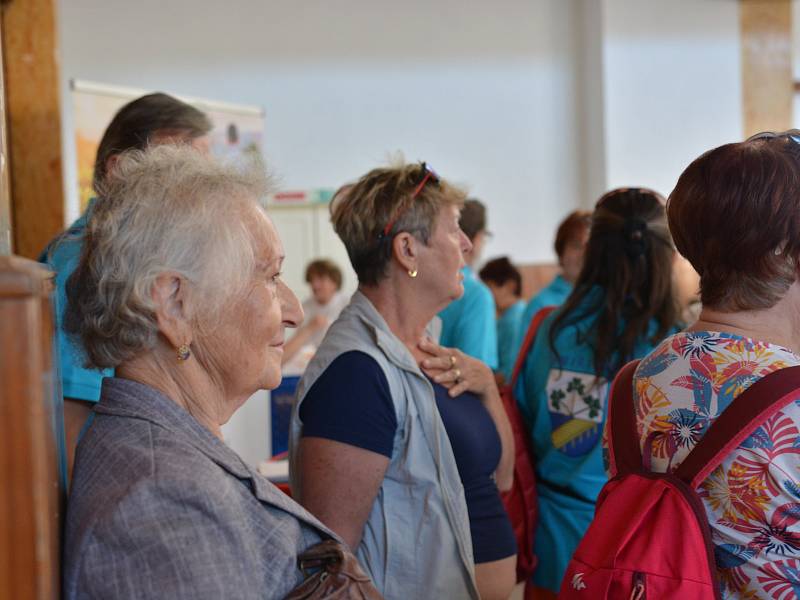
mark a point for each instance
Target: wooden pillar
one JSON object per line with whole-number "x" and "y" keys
{"x": 767, "y": 86}
{"x": 33, "y": 110}
{"x": 5, "y": 191}
{"x": 31, "y": 426}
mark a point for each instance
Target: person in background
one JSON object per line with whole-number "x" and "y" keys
{"x": 397, "y": 444}
{"x": 570, "y": 245}
{"x": 505, "y": 282}
{"x": 468, "y": 323}
{"x": 321, "y": 309}
{"x": 621, "y": 307}
{"x": 150, "y": 120}
{"x": 160, "y": 506}
{"x": 734, "y": 214}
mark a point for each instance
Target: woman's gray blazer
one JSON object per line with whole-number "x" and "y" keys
{"x": 161, "y": 508}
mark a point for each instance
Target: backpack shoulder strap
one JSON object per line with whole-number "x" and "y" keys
{"x": 530, "y": 336}
{"x": 748, "y": 411}
{"x": 625, "y": 456}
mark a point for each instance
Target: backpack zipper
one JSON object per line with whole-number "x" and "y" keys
{"x": 639, "y": 591}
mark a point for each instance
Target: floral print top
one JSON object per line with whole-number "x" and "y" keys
{"x": 753, "y": 497}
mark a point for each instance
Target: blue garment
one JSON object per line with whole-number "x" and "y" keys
{"x": 352, "y": 410}
{"x": 565, "y": 406}
{"x": 477, "y": 448}
{"x": 62, "y": 256}
{"x": 509, "y": 325}
{"x": 555, "y": 294}
{"x": 468, "y": 323}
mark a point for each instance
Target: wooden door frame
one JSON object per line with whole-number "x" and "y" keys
{"x": 33, "y": 117}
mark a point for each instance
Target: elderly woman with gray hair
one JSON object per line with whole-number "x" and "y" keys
{"x": 178, "y": 288}
{"x": 397, "y": 444}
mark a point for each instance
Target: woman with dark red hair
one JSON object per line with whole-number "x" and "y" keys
{"x": 735, "y": 216}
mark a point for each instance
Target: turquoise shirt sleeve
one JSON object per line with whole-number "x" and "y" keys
{"x": 77, "y": 381}
{"x": 555, "y": 294}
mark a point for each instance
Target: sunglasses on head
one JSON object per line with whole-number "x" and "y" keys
{"x": 427, "y": 174}
{"x": 792, "y": 134}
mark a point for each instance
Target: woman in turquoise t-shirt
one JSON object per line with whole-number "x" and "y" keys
{"x": 621, "y": 307}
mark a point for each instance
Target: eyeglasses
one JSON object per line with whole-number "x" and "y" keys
{"x": 792, "y": 134}
{"x": 428, "y": 174}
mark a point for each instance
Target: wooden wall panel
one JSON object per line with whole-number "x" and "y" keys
{"x": 34, "y": 122}
{"x": 767, "y": 86}
{"x": 536, "y": 276}
{"x": 33, "y": 491}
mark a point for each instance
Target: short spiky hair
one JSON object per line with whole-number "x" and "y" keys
{"x": 360, "y": 212}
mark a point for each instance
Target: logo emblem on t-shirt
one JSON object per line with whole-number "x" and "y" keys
{"x": 576, "y": 403}
{"x": 577, "y": 582}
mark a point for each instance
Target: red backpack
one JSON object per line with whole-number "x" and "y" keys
{"x": 520, "y": 500}
{"x": 650, "y": 537}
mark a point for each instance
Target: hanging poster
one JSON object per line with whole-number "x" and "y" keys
{"x": 237, "y": 129}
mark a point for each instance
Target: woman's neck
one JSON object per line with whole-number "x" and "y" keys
{"x": 403, "y": 310}
{"x": 185, "y": 383}
{"x": 779, "y": 325}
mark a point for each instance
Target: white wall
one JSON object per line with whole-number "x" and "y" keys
{"x": 672, "y": 86}
{"x": 592, "y": 136}
{"x": 484, "y": 91}
{"x": 537, "y": 106}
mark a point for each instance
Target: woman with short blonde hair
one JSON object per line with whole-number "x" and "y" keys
{"x": 397, "y": 444}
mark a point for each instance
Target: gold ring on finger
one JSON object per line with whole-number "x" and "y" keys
{"x": 452, "y": 360}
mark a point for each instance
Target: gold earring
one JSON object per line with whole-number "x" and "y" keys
{"x": 412, "y": 273}
{"x": 184, "y": 352}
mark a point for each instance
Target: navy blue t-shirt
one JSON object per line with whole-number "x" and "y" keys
{"x": 351, "y": 403}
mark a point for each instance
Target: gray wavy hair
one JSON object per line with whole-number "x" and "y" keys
{"x": 165, "y": 209}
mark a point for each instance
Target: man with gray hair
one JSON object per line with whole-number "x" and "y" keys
{"x": 150, "y": 120}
